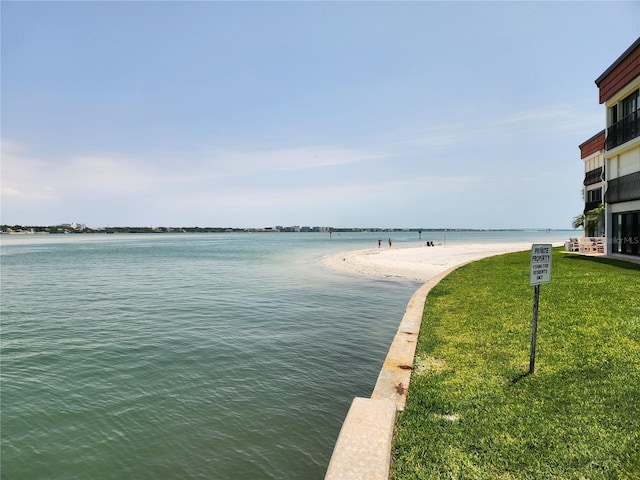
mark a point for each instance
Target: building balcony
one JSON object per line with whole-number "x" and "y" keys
{"x": 588, "y": 206}
{"x": 623, "y": 189}
{"x": 621, "y": 132}
{"x": 594, "y": 176}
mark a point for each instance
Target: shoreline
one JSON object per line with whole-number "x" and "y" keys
{"x": 418, "y": 263}
{"x": 364, "y": 444}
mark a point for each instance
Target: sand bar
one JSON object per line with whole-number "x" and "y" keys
{"x": 420, "y": 263}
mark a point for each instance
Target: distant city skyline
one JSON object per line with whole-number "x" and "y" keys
{"x": 246, "y": 114}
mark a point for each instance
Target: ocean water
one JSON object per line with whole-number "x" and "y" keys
{"x": 184, "y": 356}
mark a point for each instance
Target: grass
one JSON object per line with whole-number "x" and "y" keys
{"x": 474, "y": 413}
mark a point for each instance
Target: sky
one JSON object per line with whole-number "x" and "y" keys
{"x": 341, "y": 114}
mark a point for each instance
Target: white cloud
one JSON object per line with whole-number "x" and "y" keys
{"x": 439, "y": 136}
{"x": 107, "y": 173}
{"x": 24, "y": 178}
{"x": 252, "y": 187}
{"x": 519, "y": 126}
{"x": 29, "y": 178}
{"x": 551, "y": 121}
{"x": 535, "y": 116}
{"x": 230, "y": 162}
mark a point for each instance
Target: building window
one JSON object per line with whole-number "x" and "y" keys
{"x": 594, "y": 195}
{"x": 626, "y": 233}
{"x": 592, "y": 199}
{"x": 630, "y": 104}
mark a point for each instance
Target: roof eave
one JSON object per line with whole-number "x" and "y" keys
{"x": 625, "y": 54}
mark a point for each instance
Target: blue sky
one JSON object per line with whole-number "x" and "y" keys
{"x": 252, "y": 114}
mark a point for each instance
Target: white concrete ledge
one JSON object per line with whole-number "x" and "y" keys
{"x": 363, "y": 449}
{"x": 394, "y": 377}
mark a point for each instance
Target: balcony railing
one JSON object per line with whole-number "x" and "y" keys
{"x": 621, "y": 132}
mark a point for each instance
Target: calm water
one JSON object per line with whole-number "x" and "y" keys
{"x": 217, "y": 356}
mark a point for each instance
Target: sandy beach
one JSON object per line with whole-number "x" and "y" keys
{"x": 420, "y": 263}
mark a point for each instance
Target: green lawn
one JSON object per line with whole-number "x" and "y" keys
{"x": 472, "y": 410}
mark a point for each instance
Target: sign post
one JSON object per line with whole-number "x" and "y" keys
{"x": 540, "y": 273}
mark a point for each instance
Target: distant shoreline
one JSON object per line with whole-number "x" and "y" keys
{"x": 74, "y": 228}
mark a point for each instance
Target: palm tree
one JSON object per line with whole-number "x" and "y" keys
{"x": 589, "y": 220}
{"x": 578, "y": 221}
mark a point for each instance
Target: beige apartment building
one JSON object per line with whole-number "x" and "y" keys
{"x": 612, "y": 157}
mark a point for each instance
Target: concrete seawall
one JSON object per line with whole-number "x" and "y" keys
{"x": 363, "y": 448}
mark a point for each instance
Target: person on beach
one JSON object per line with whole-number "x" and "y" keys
{"x": 379, "y": 242}
{"x": 389, "y": 242}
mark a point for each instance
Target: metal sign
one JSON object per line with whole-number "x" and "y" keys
{"x": 540, "y": 263}
{"x": 540, "y": 273}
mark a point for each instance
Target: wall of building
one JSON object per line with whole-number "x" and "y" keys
{"x": 629, "y": 162}
{"x": 625, "y": 207}
{"x": 593, "y": 162}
